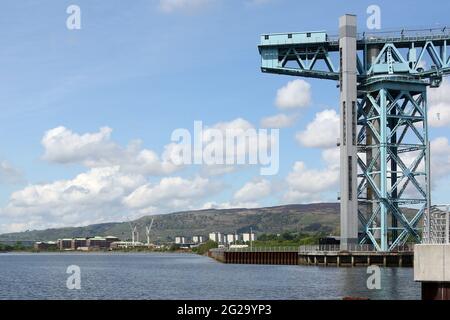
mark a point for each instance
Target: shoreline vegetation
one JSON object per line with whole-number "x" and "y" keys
{"x": 286, "y": 239}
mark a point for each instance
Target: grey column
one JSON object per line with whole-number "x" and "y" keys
{"x": 348, "y": 106}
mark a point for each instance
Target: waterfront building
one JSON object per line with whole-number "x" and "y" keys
{"x": 216, "y": 237}
{"x": 247, "y": 237}
{"x": 198, "y": 239}
{"x": 180, "y": 240}
{"x": 97, "y": 243}
{"x": 111, "y": 239}
{"x": 64, "y": 244}
{"x": 78, "y": 243}
{"x": 45, "y": 245}
{"x": 232, "y": 238}
{"x": 127, "y": 245}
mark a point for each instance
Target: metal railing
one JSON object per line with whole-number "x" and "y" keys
{"x": 264, "y": 249}
{"x": 397, "y": 35}
{"x": 350, "y": 248}
{"x": 317, "y": 248}
{"x": 437, "y": 225}
{"x": 258, "y": 249}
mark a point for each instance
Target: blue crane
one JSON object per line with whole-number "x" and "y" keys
{"x": 384, "y": 144}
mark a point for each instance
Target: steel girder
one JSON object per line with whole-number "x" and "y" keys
{"x": 393, "y": 177}
{"x": 423, "y": 56}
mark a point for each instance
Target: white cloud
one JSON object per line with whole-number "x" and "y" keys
{"x": 227, "y": 146}
{"x": 171, "y": 194}
{"x": 116, "y": 183}
{"x": 101, "y": 195}
{"x": 63, "y": 146}
{"x": 309, "y": 185}
{"x": 253, "y": 191}
{"x": 9, "y": 174}
{"x": 296, "y": 94}
{"x": 332, "y": 157}
{"x": 439, "y": 105}
{"x": 229, "y": 205}
{"x": 279, "y": 121}
{"x": 95, "y": 150}
{"x": 91, "y": 197}
{"x": 440, "y": 158}
{"x": 322, "y": 132}
{"x": 170, "y": 6}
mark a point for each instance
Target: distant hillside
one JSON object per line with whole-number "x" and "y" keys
{"x": 305, "y": 218}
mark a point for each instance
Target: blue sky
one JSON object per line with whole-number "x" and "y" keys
{"x": 143, "y": 69}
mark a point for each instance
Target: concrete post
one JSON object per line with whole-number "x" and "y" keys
{"x": 431, "y": 265}
{"x": 348, "y": 150}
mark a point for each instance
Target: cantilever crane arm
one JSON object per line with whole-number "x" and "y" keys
{"x": 419, "y": 55}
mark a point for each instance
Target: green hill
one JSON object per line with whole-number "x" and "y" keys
{"x": 310, "y": 218}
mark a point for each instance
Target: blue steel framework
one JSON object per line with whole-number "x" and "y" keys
{"x": 393, "y": 72}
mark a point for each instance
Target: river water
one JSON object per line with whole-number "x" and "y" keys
{"x": 187, "y": 276}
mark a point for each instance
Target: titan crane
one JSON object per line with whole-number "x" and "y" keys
{"x": 384, "y": 144}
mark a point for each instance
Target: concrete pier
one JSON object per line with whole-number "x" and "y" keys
{"x": 432, "y": 269}
{"x": 315, "y": 258}
{"x": 357, "y": 259}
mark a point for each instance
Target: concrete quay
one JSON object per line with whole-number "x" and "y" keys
{"x": 432, "y": 269}
{"x": 294, "y": 256}
{"x": 356, "y": 259}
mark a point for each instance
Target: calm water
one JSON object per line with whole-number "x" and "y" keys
{"x": 184, "y": 276}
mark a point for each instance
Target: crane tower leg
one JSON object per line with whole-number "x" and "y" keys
{"x": 348, "y": 145}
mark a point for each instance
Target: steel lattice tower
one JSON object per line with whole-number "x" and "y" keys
{"x": 384, "y": 143}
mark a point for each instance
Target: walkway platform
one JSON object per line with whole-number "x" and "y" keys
{"x": 315, "y": 256}
{"x": 357, "y": 259}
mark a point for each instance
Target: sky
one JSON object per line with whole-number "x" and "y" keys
{"x": 87, "y": 115}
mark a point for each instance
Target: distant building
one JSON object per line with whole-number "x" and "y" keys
{"x": 180, "y": 240}
{"x": 111, "y": 239}
{"x": 247, "y": 237}
{"x": 127, "y": 245}
{"x": 216, "y": 237}
{"x": 84, "y": 244}
{"x": 97, "y": 243}
{"x": 198, "y": 239}
{"x": 45, "y": 245}
{"x": 64, "y": 244}
{"x": 79, "y": 243}
{"x": 232, "y": 238}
